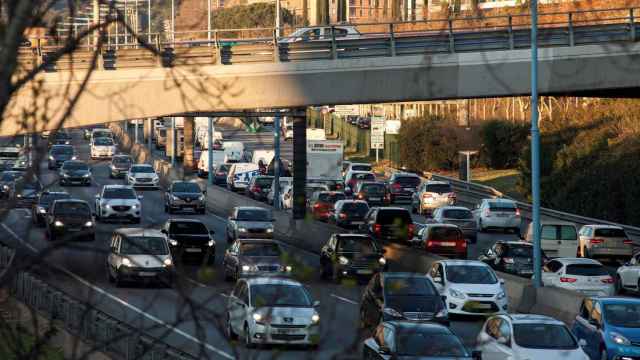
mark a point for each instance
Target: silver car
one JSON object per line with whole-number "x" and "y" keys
{"x": 498, "y": 214}
{"x": 249, "y": 222}
{"x": 272, "y": 311}
{"x": 460, "y": 216}
{"x": 247, "y": 258}
{"x": 605, "y": 241}
{"x": 432, "y": 195}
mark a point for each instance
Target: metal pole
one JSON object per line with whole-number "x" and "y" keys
{"x": 278, "y": 19}
{"x": 173, "y": 22}
{"x": 117, "y": 34}
{"x": 210, "y": 150}
{"x": 174, "y": 141}
{"x": 150, "y": 134}
{"x": 276, "y": 161}
{"x": 535, "y": 147}
{"x": 137, "y": 27}
{"x": 209, "y": 22}
{"x": 149, "y": 21}
{"x": 468, "y": 166}
{"x": 96, "y": 21}
{"x": 135, "y": 131}
{"x": 126, "y": 31}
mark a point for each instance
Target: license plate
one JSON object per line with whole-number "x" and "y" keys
{"x": 193, "y": 250}
{"x": 482, "y": 306}
{"x": 357, "y": 222}
{"x": 146, "y": 273}
{"x": 374, "y": 199}
{"x": 408, "y": 189}
{"x": 448, "y": 243}
{"x": 365, "y": 272}
{"x": 287, "y": 331}
{"x": 74, "y": 229}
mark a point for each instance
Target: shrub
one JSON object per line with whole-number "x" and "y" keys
{"x": 503, "y": 143}
{"x": 428, "y": 143}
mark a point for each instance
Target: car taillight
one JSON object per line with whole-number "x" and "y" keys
{"x": 508, "y": 260}
{"x": 568, "y": 280}
{"x": 343, "y": 216}
{"x": 429, "y": 243}
{"x": 360, "y": 195}
{"x": 411, "y": 229}
{"x": 395, "y": 187}
{"x": 463, "y": 243}
{"x": 255, "y": 189}
{"x": 427, "y": 195}
{"x": 338, "y": 186}
{"x": 627, "y": 241}
{"x": 220, "y": 173}
{"x": 608, "y": 280}
{"x": 517, "y": 212}
{"x": 377, "y": 228}
{"x": 316, "y": 206}
{"x": 596, "y": 241}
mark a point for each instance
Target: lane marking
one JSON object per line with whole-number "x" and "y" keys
{"x": 122, "y": 302}
{"x": 197, "y": 283}
{"x": 345, "y": 299}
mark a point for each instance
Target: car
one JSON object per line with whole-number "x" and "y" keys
{"x": 142, "y": 176}
{"x": 322, "y": 34}
{"x": 118, "y": 202}
{"x": 557, "y": 238}
{"x": 586, "y": 276}
{"x": 102, "y": 147}
{"x": 345, "y": 167}
{"x": 512, "y": 257}
{"x": 606, "y": 241}
{"x": 259, "y": 187}
{"x": 140, "y": 255}
{"x": 527, "y": 336}
{"x": 469, "y": 287}
{"x": 409, "y": 340}
{"x": 309, "y": 189}
{"x": 401, "y": 187}
{"x": 189, "y": 238}
{"x": 432, "y": 195}
{"x": 26, "y": 191}
{"x": 442, "y": 239}
{"x": 500, "y": 214}
{"x": 628, "y": 275}
{"x": 351, "y": 255}
{"x": 272, "y": 311}
{"x": 70, "y": 219}
{"x": 7, "y": 182}
{"x": 247, "y": 222}
{"x": 349, "y": 214}
{"x": 120, "y": 165}
{"x": 220, "y": 174}
{"x": 321, "y": 203}
{"x": 373, "y": 192}
{"x": 254, "y": 257}
{"x": 240, "y": 174}
{"x": 389, "y": 223}
{"x": 60, "y": 138}
{"x": 75, "y": 172}
{"x": 459, "y": 216}
{"x": 12, "y": 157}
{"x": 284, "y": 183}
{"x": 58, "y": 154}
{"x": 41, "y": 207}
{"x": 101, "y": 133}
{"x": 401, "y": 296}
{"x": 355, "y": 166}
{"x": 608, "y": 327}
{"x": 185, "y": 195}
{"x": 354, "y": 176}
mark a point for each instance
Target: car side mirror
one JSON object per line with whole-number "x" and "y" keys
{"x": 501, "y": 281}
{"x": 204, "y": 192}
{"x": 383, "y": 349}
{"x": 476, "y": 355}
{"x": 437, "y": 279}
{"x": 582, "y": 343}
{"x": 97, "y": 196}
{"x": 211, "y": 232}
{"x": 503, "y": 340}
{"x": 316, "y": 303}
{"x": 232, "y": 218}
{"x": 140, "y": 197}
{"x": 164, "y": 231}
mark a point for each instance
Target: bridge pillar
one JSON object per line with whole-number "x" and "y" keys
{"x": 299, "y": 165}
{"x": 188, "y": 156}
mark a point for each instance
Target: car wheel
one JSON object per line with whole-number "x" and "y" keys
{"x": 618, "y": 285}
{"x": 236, "y": 275}
{"x": 227, "y": 276}
{"x": 248, "y": 343}
{"x": 230, "y": 334}
{"x": 118, "y": 281}
{"x": 202, "y": 211}
{"x": 335, "y": 276}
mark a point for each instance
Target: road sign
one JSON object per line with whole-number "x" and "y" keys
{"x": 392, "y": 127}
{"x": 377, "y": 132}
{"x": 345, "y": 110}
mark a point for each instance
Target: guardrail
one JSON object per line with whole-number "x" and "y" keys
{"x": 374, "y": 40}
{"x": 106, "y": 333}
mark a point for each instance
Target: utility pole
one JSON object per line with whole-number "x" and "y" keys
{"x": 535, "y": 148}
{"x": 209, "y": 22}
{"x": 210, "y": 151}
{"x": 96, "y": 21}
{"x": 276, "y": 161}
{"x": 149, "y": 21}
{"x": 173, "y": 23}
{"x": 126, "y": 24}
{"x": 174, "y": 142}
{"x": 278, "y": 19}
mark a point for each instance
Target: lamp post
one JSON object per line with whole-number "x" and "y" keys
{"x": 278, "y": 19}
{"x": 535, "y": 147}
{"x": 173, "y": 23}
{"x": 209, "y": 22}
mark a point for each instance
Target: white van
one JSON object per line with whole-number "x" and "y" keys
{"x": 240, "y": 174}
{"x": 203, "y": 163}
{"x": 256, "y": 155}
{"x": 234, "y": 150}
{"x": 557, "y": 238}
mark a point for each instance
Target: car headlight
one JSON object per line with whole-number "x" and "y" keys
{"x": 315, "y": 318}
{"x": 174, "y": 198}
{"x": 288, "y": 268}
{"x": 106, "y": 206}
{"x": 134, "y": 207}
{"x": 246, "y": 268}
{"x": 269, "y": 230}
{"x": 51, "y": 157}
{"x": 74, "y": 158}
{"x": 155, "y": 179}
{"x": 257, "y": 317}
{"x": 501, "y": 295}
{"x": 64, "y": 174}
{"x": 443, "y": 313}
{"x": 382, "y": 261}
{"x": 619, "y": 339}
{"x": 5, "y": 187}
{"x": 456, "y": 294}
{"x": 343, "y": 260}
{"x": 42, "y": 210}
{"x": 167, "y": 262}
{"x": 201, "y": 198}
{"x": 242, "y": 229}
{"x": 88, "y": 224}
{"x": 19, "y": 195}
{"x": 392, "y": 312}
{"x": 86, "y": 175}
{"x": 211, "y": 243}
{"x": 126, "y": 262}
{"x": 58, "y": 223}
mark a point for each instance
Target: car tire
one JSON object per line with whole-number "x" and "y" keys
{"x": 619, "y": 290}
{"x": 119, "y": 283}
{"x": 247, "y": 338}
{"x": 229, "y": 331}
{"x": 336, "y": 278}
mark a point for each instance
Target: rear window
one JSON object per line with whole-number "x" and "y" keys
{"x": 361, "y": 167}
{"x": 373, "y": 188}
{"x": 444, "y": 233}
{"x": 459, "y": 214}
{"x": 355, "y": 208}
{"x": 394, "y": 217}
{"x": 586, "y": 270}
{"x": 503, "y": 207}
{"x": 264, "y": 181}
{"x": 559, "y": 232}
{"x": 407, "y": 180}
{"x": 363, "y": 177}
{"x": 439, "y": 188}
{"x": 357, "y": 245}
{"x": 519, "y": 251}
{"x": 610, "y": 233}
{"x": 331, "y": 198}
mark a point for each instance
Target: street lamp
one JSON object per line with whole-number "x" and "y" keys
{"x": 535, "y": 148}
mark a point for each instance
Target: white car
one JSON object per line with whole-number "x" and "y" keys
{"x": 102, "y": 147}
{"x": 628, "y": 275}
{"x": 498, "y": 214}
{"x": 321, "y": 33}
{"x": 586, "y": 276}
{"x": 284, "y": 182}
{"x": 528, "y": 337}
{"x": 267, "y": 310}
{"x": 142, "y": 176}
{"x": 606, "y": 241}
{"x": 118, "y": 202}
{"x": 469, "y": 287}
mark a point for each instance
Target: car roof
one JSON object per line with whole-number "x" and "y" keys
{"x": 185, "y": 220}
{"x": 430, "y": 225}
{"x": 574, "y": 260}
{"x": 140, "y": 232}
{"x": 10, "y": 148}
{"x": 514, "y": 242}
{"x": 406, "y": 174}
{"x": 57, "y": 146}
{"x": 272, "y": 281}
{"x": 143, "y": 165}
{"x": 463, "y": 262}
{"x": 248, "y": 241}
{"x": 401, "y": 274}
{"x": 437, "y": 182}
{"x": 533, "y": 319}
{"x": 54, "y": 193}
{"x": 432, "y": 328}
{"x": 117, "y": 186}
{"x": 347, "y": 201}
{"x": 500, "y": 200}
{"x": 251, "y": 208}
{"x": 392, "y": 208}
{"x": 454, "y": 208}
{"x": 71, "y": 201}
{"x": 604, "y": 226}
{"x": 350, "y": 235}
{"x": 556, "y": 222}
{"x": 617, "y": 299}
{"x": 359, "y": 163}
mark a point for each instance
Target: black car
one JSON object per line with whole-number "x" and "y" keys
{"x": 285, "y": 168}
{"x": 220, "y": 175}
{"x": 120, "y": 165}
{"x": 185, "y": 195}
{"x": 513, "y": 257}
{"x": 60, "y": 138}
{"x": 401, "y": 186}
{"x": 41, "y": 207}
{"x": 389, "y": 223}
{"x": 373, "y": 192}
{"x": 364, "y": 123}
{"x": 75, "y": 172}
{"x": 70, "y": 219}
{"x": 402, "y": 297}
{"x": 347, "y": 255}
{"x": 26, "y": 191}
{"x": 190, "y": 238}
{"x": 59, "y": 154}
{"x": 349, "y": 214}
{"x": 423, "y": 341}
{"x": 259, "y": 187}
{"x": 7, "y": 181}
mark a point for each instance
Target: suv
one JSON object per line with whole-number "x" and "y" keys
{"x": 432, "y": 195}
{"x": 254, "y": 257}
{"x": 71, "y": 219}
{"x": 498, "y": 214}
{"x": 102, "y": 147}
{"x": 75, "y": 172}
{"x": 373, "y": 192}
{"x": 249, "y": 222}
{"x": 353, "y": 176}
{"x": 349, "y": 213}
{"x": 605, "y": 241}
{"x": 183, "y": 195}
{"x": 190, "y": 238}
{"x": 351, "y": 255}
{"x": 59, "y": 154}
{"x": 321, "y": 203}
{"x": 120, "y": 165}
{"x": 389, "y": 223}
{"x": 142, "y": 175}
{"x": 259, "y": 187}
{"x": 118, "y": 202}
{"x": 41, "y": 207}
{"x": 137, "y": 254}
{"x": 402, "y": 186}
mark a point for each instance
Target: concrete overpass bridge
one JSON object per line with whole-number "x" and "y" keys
{"x": 594, "y": 57}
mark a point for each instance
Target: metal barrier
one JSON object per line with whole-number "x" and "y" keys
{"x": 84, "y": 321}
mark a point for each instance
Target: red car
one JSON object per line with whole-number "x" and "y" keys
{"x": 443, "y": 239}
{"x": 322, "y": 202}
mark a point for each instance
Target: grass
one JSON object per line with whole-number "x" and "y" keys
{"x": 505, "y": 181}
{"x": 18, "y": 344}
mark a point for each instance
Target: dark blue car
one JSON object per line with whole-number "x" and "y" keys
{"x": 610, "y": 327}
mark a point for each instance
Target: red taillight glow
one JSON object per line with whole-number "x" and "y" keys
{"x": 568, "y": 280}
{"x": 429, "y": 243}
{"x": 360, "y": 196}
{"x": 377, "y": 228}
{"x": 343, "y": 216}
{"x": 463, "y": 243}
{"x": 427, "y": 195}
{"x": 316, "y": 206}
{"x": 411, "y": 229}
{"x": 517, "y": 212}
{"x": 596, "y": 241}
{"x": 255, "y": 189}
{"x": 608, "y": 280}
{"x": 628, "y": 242}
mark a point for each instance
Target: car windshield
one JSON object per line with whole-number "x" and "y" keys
{"x": 373, "y": 188}
{"x": 100, "y": 134}
{"x": 457, "y": 214}
{"x": 253, "y": 215}
{"x": 519, "y": 251}
{"x": 357, "y": 245}
{"x": 408, "y": 181}
{"x": 62, "y": 136}
{"x": 409, "y": 286}
{"x": 72, "y": 208}
{"x": 260, "y": 249}
{"x": 413, "y": 342}
{"x": 610, "y": 232}
{"x": 330, "y": 197}
{"x": 466, "y": 274}
{"x": 119, "y": 193}
{"x": 357, "y": 208}
{"x": 9, "y": 154}
{"x": 361, "y": 167}
{"x": 394, "y": 217}
{"x": 62, "y": 150}
{"x": 625, "y": 315}
{"x": 502, "y": 206}
{"x": 264, "y": 181}
{"x": 586, "y": 270}
{"x": 186, "y": 187}
{"x": 438, "y": 188}
{"x": 273, "y": 295}
{"x": 188, "y": 228}
{"x": 9, "y": 176}
{"x": 122, "y": 160}
{"x": 32, "y": 185}
{"x": 74, "y": 166}
{"x": 141, "y": 169}
{"x": 144, "y": 245}
{"x": 47, "y": 199}
{"x": 366, "y": 176}
{"x": 543, "y": 336}
{"x": 444, "y": 233}
{"x": 103, "y": 141}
